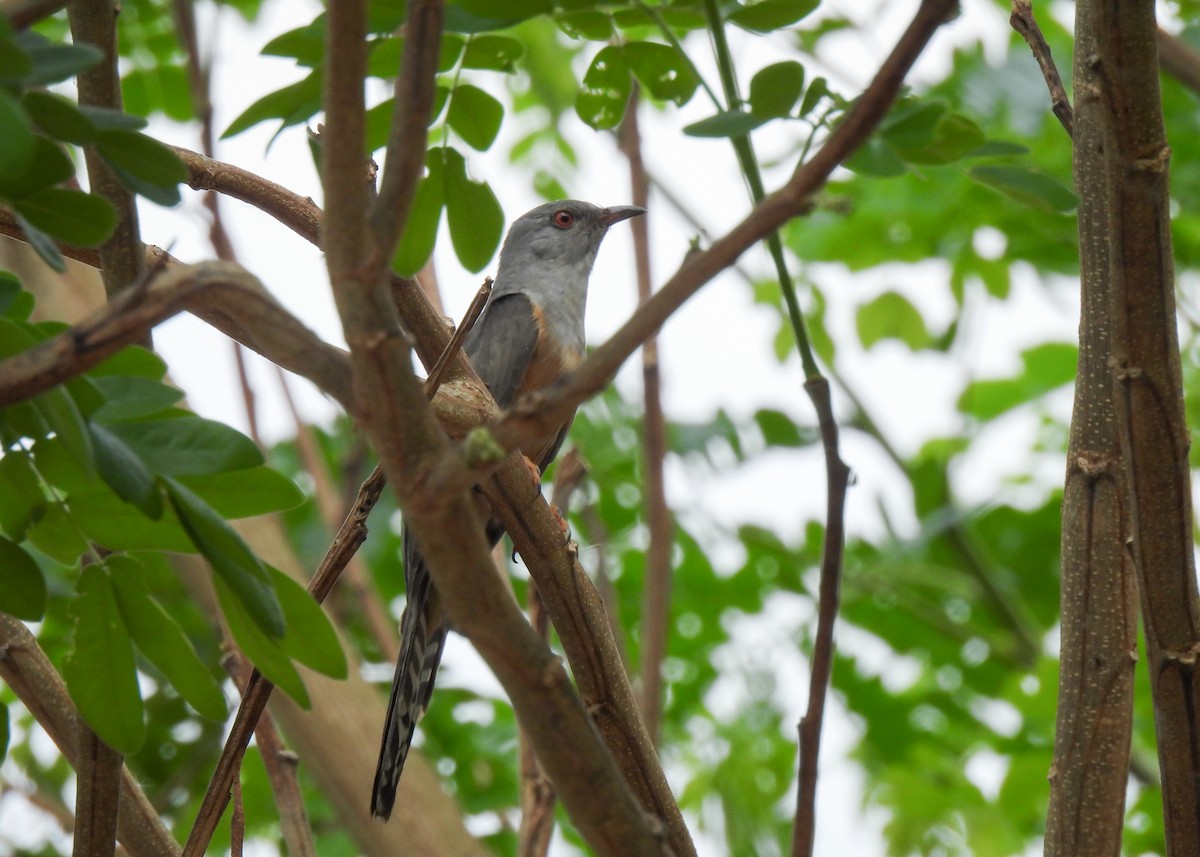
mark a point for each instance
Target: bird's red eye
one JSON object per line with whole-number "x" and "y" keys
{"x": 564, "y": 219}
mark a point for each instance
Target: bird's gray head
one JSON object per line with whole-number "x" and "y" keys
{"x": 557, "y": 240}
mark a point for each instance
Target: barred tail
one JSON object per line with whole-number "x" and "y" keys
{"x": 422, "y": 639}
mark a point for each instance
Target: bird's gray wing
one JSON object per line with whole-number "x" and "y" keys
{"x": 502, "y": 344}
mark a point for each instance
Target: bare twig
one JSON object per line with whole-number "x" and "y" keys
{"x": 837, "y": 476}
{"x": 280, "y": 764}
{"x": 656, "y": 604}
{"x": 1023, "y": 22}
{"x": 454, "y": 346}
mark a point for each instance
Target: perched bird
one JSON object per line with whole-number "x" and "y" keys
{"x": 529, "y": 335}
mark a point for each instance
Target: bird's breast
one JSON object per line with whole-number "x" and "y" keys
{"x": 552, "y": 358}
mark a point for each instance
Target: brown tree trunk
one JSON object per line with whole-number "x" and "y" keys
{"x": 1128, "y": 498}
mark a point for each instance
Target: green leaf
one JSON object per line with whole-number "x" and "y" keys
{"x": 59, "y": 117}
{"x": 100, "y": 670}
{"x": 105, "y": 118}
{"x": 161, "y": 88}
{"x": 15, "y": 303}
{"x": 22, "y": 585}
{"x": 5, "y": 728}
{"x": 131, "y": 360}
{"x": 293, "y": 104}
{"x": 588, "y": 25}
{"x": 243, "y": 493}
{"x": 15, "y": 64}
{"x": 21, "y": 497}
{"x": 474, "y": 215}
{"x": 304, "y": 44}
{"x": 16, "y": 143}
{"x": 163, "y": 642}
{"x": 775, "y": 89}
{"x": 119, "y": 526}
{"x": 605, "y": 91}
{"x": 185, "y": 446}
{"x": 55, "y": 62}
{"x": 131, "y": 397}
{"x": 231, "y": 559}
{"x": 42, "y": 244}
{"x": 493, "y": 53}
{"x": 955, "y": 137}
{"x": 663, "y": 71}
{"x": 56, "y": 534}
{"x": 310, "y": 638}
{"x": 124, "y": 472}
{"x": 779, "y": 429}
{"x": 1046, "y": 367}
{"x": 475, "y": 116}
{"x": 876, "y": 158}
{"x": 58, "y": 409}
{"x": 911, "y": 123}
{"x": 143, "y": 164}
{"x": 892, "y": 316}
{"x": 1027, "y": 187}
{"x": 768, "y": 15}
{"x": 69, "y": 215}
{"x": 49, "y": 166}
{"x": 420, "y": 233}
{"x": 730, "y": 123}
{"x": 266, "y": 653}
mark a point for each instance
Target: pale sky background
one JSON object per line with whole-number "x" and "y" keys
{"x": 715, "y": 352}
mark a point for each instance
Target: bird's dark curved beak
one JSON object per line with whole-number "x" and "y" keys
{"x": 617, "y": 213}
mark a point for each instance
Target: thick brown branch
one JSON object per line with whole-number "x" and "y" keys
{"x": 298, "y": 213}
{"x": 224, "y": 295}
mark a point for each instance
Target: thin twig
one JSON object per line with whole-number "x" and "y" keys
{"x": 837, "y": 476}
{"x": 460, "y": 336}
{"x": 1021, "y": 19}
{"x": 280, "y": 764}
{"x": 656, "y": 603}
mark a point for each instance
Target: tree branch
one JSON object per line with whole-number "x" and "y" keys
{"x": 656, "y": 604}
{"x": 1023, "y": 22}
{"x": 222, "y": 294}
{"x": 95, "y": 22}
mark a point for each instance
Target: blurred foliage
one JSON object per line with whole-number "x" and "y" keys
{"x": 945, "y": 667}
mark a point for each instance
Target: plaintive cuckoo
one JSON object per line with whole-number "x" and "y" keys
{"x": 529, "y": 335}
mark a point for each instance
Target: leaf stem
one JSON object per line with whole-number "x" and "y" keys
{"x": 749, "y": 164}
